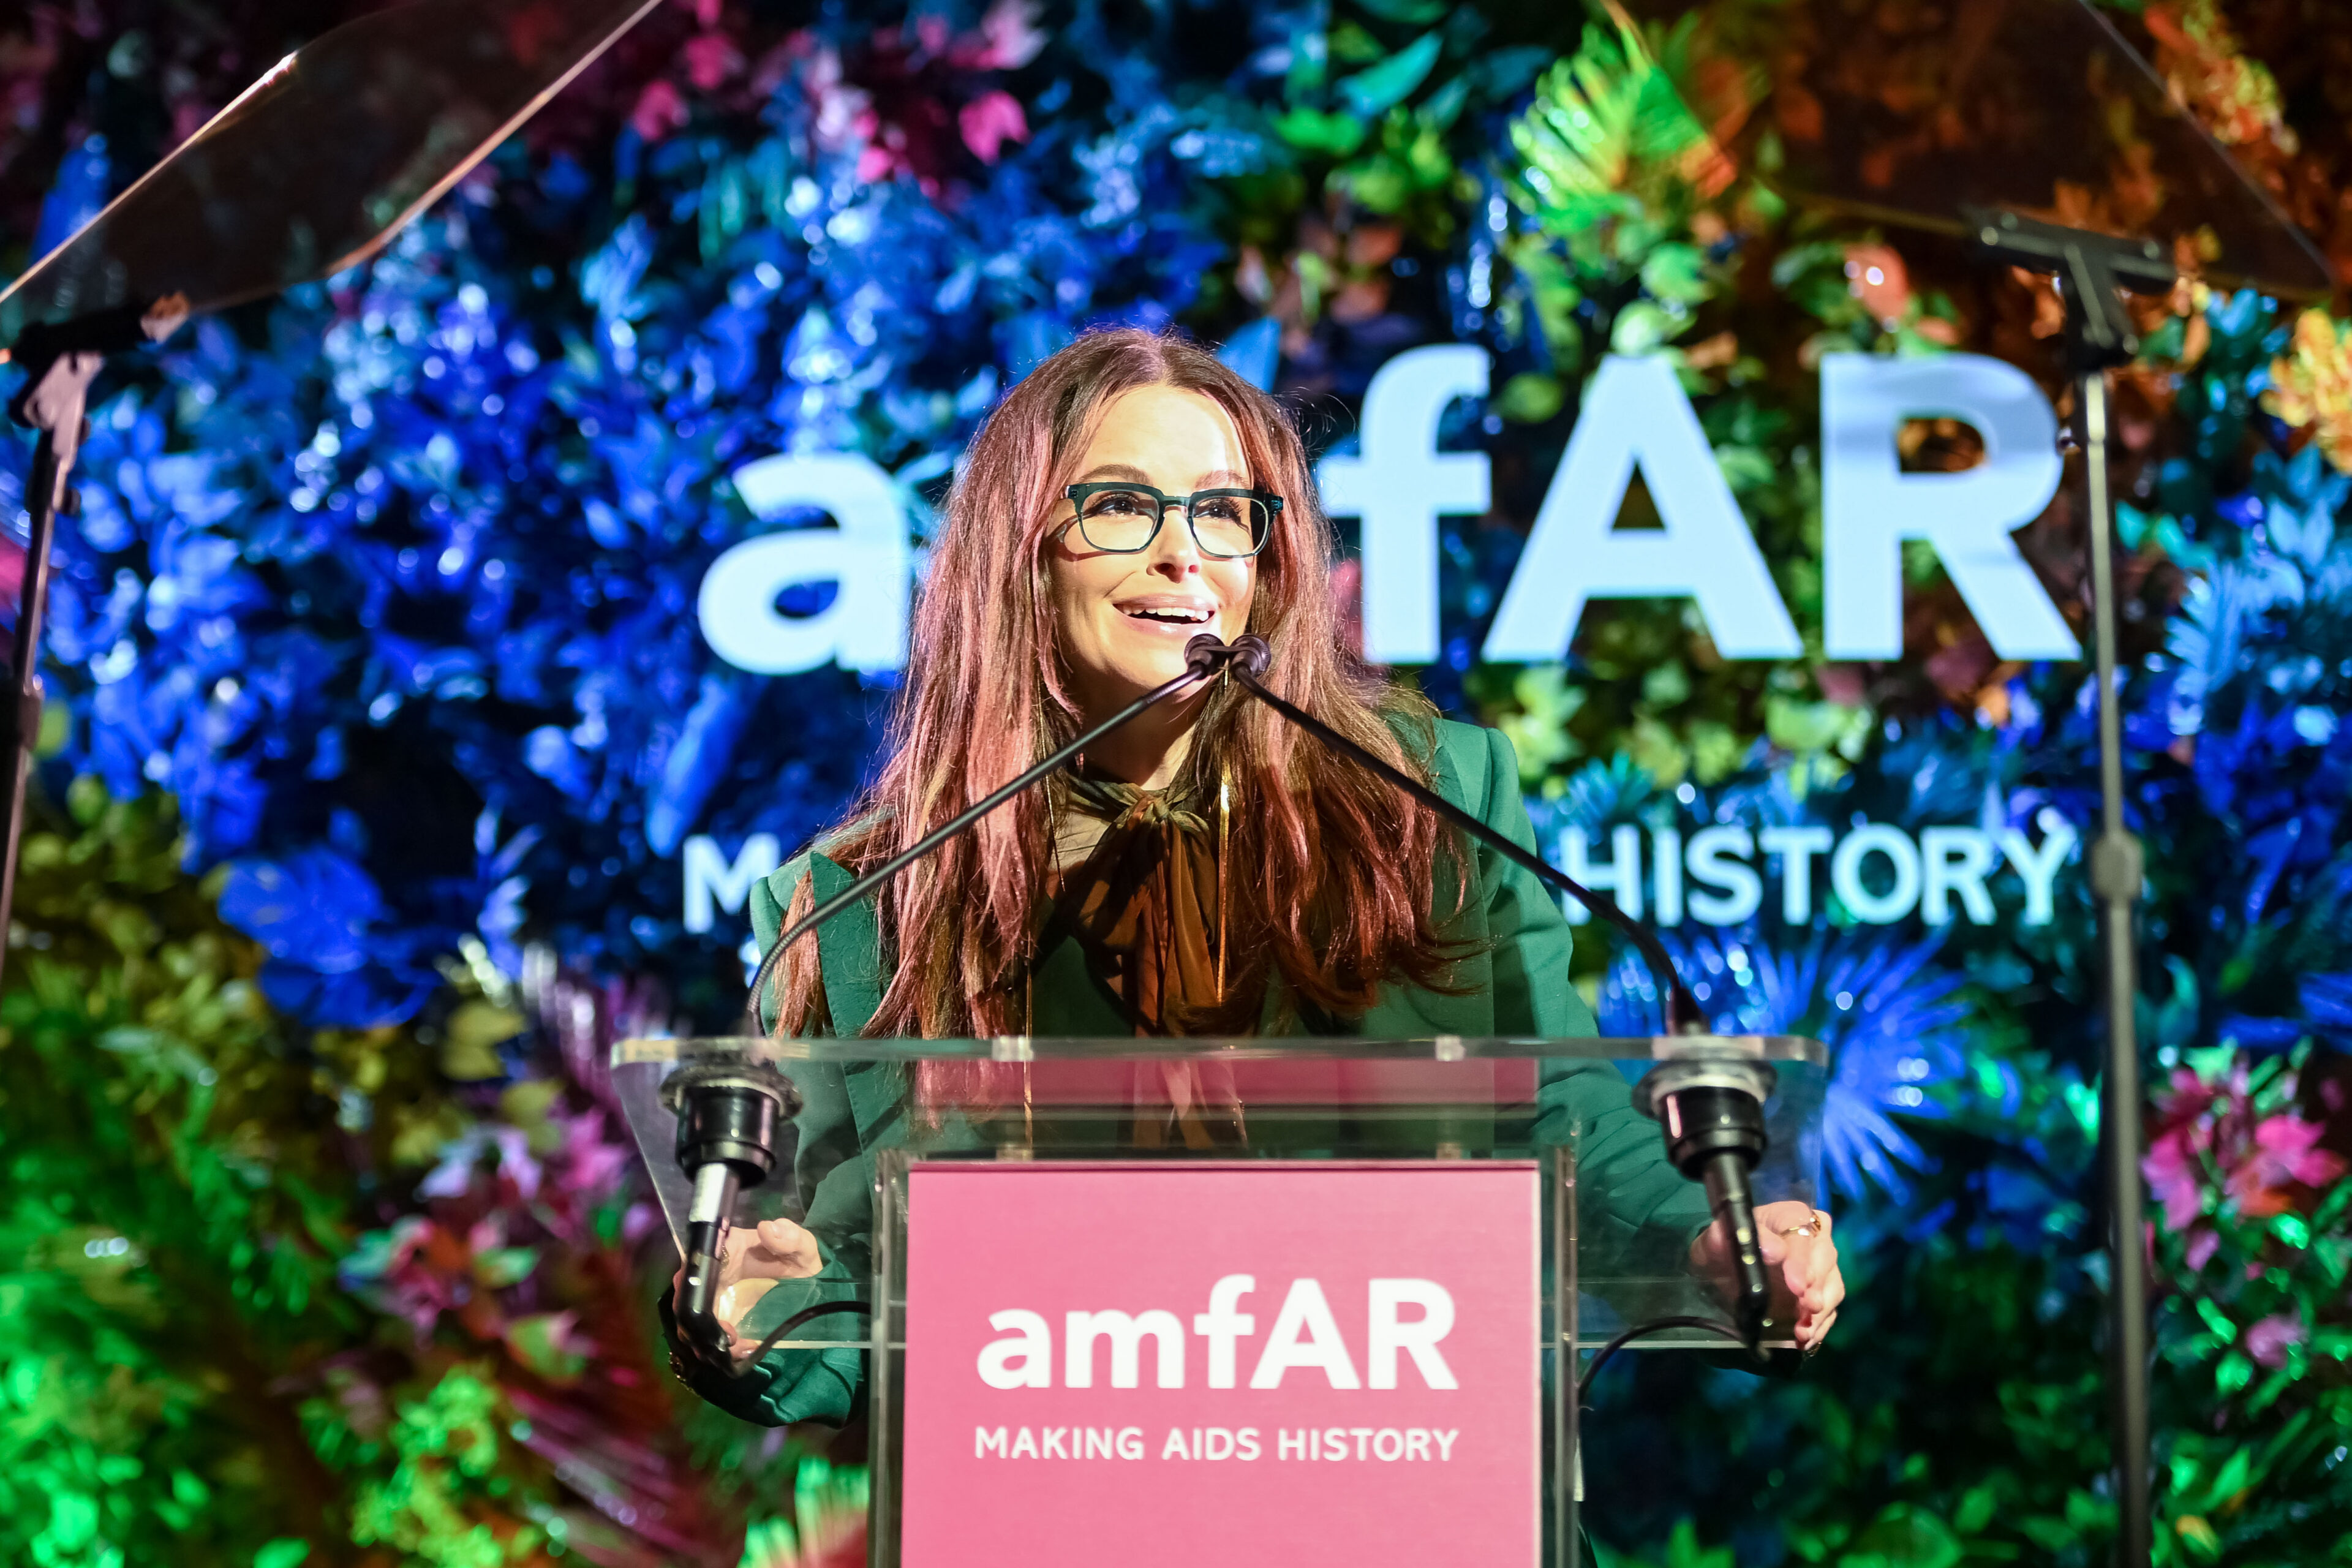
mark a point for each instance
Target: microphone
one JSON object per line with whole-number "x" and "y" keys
{"x": 728, "y": 1115}
{"x": 1712, "y": 1113}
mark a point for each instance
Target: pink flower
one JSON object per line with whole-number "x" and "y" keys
{"x": 591, "y": 1165}
{"x": 2213, "y": 1134}
{"x": 2283, "y": 1154}
{"x": 844, "y": 113}
{"x": 1878, "y": 278}
{"x": 711, "y": 59}
{"x": 2172, "y": 1168}
{"x": 515, "y": 1161}
{"x": 1012, "y": 36}
{"x": 2268, "y": 1340}
{"x": 2203, "y": 1242}
{"x": 659, "y": 112}
{"x": 989, "y": 121}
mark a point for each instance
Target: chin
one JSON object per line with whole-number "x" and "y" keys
{"x": 1146, "y": 659}
{"x": 1145, "y": 670}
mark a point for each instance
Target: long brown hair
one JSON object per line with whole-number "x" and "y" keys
{"x": 1342, "y": 868}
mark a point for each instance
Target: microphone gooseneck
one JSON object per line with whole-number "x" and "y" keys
{"x": 728, "y": 1117}
{"x": 1714, "y": 1114}
{"x": 1203, "y": 654}
{"x": 1682, "y": 1009}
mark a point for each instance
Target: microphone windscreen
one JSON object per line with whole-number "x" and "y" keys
{"x": 1254, "y": 653}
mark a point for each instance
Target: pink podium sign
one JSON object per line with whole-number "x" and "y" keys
{"x": 1241, "y": 1363}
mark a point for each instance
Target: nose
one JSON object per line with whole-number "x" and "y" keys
{"x": 1174, "y": 552}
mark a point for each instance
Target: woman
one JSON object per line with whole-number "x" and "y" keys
{"x": 1206, "y": 869}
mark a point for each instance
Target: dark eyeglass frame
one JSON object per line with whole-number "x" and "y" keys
{"x": 1078, "y": 494}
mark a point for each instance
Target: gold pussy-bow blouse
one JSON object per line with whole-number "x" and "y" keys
{"x": 1146, "y": 906}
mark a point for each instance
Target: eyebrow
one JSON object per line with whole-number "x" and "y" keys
{"x": 1215, "y": 478}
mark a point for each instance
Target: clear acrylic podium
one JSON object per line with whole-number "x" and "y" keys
{"x": 1563, "y": 1109}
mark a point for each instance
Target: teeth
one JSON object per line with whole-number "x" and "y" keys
{"x": 1176, "y": 617}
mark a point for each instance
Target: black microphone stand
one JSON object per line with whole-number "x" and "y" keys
{"x": 2091, "y": 268}
{"x": 61, "y": 361}
{"x": 1681, "y": 1012}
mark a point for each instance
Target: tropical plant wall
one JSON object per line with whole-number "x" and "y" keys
{"x": 379, "y": 715}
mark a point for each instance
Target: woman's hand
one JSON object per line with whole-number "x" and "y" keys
{"x": 1797, "y": 1244}
{"x": 750, "y": 1264}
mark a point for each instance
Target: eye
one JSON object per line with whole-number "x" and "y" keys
{"x": 1119, "y": 503}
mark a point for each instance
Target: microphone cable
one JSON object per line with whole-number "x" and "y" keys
{"x": 1641, "y": 1332}
{"x": 775, "y": 1336}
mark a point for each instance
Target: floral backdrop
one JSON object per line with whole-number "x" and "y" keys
{"x": 380, "y": 715}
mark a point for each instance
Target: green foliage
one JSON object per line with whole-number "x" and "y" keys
{"x": 229, "y": 1333}
{"x": 448, "y": 1447}
{"x": 1388, "y": 148}
{"x": 1961, "y": 1416}
{"x": 2255, "y": 1327}
{"x": 168, "y": 1264}
{"x": 1614, "y": 168}
{"x": 1682, "y": 1550}
{"x": 228, "y": 1337}
{"x": 827, "y": 1522}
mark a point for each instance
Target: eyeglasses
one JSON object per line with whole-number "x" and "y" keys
{"x": 1121, "y": 518}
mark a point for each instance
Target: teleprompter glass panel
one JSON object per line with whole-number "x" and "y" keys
{"x": 316, "y": 163}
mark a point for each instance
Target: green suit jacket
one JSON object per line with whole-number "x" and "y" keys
{"x": 1513, "y": 981}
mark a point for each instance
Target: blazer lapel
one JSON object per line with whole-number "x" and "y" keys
{"x": 849, "y": 954}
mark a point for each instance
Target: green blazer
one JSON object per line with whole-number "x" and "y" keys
{"x": 1513, "y": 981}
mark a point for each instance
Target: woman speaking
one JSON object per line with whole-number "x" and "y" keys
{"x": 1206, "y": 869}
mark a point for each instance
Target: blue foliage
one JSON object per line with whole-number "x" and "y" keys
{"x": 1889, "y": 1013}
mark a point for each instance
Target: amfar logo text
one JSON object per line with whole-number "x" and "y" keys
{"x": 1635, "y": 417}
{"x": 1303, "y": 1337}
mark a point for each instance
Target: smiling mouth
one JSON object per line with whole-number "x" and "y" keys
{"x": 1170, "y": 616}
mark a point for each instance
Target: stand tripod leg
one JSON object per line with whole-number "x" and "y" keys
{"x": 53, "y": 405}
{"x": 2116, "y": 882}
